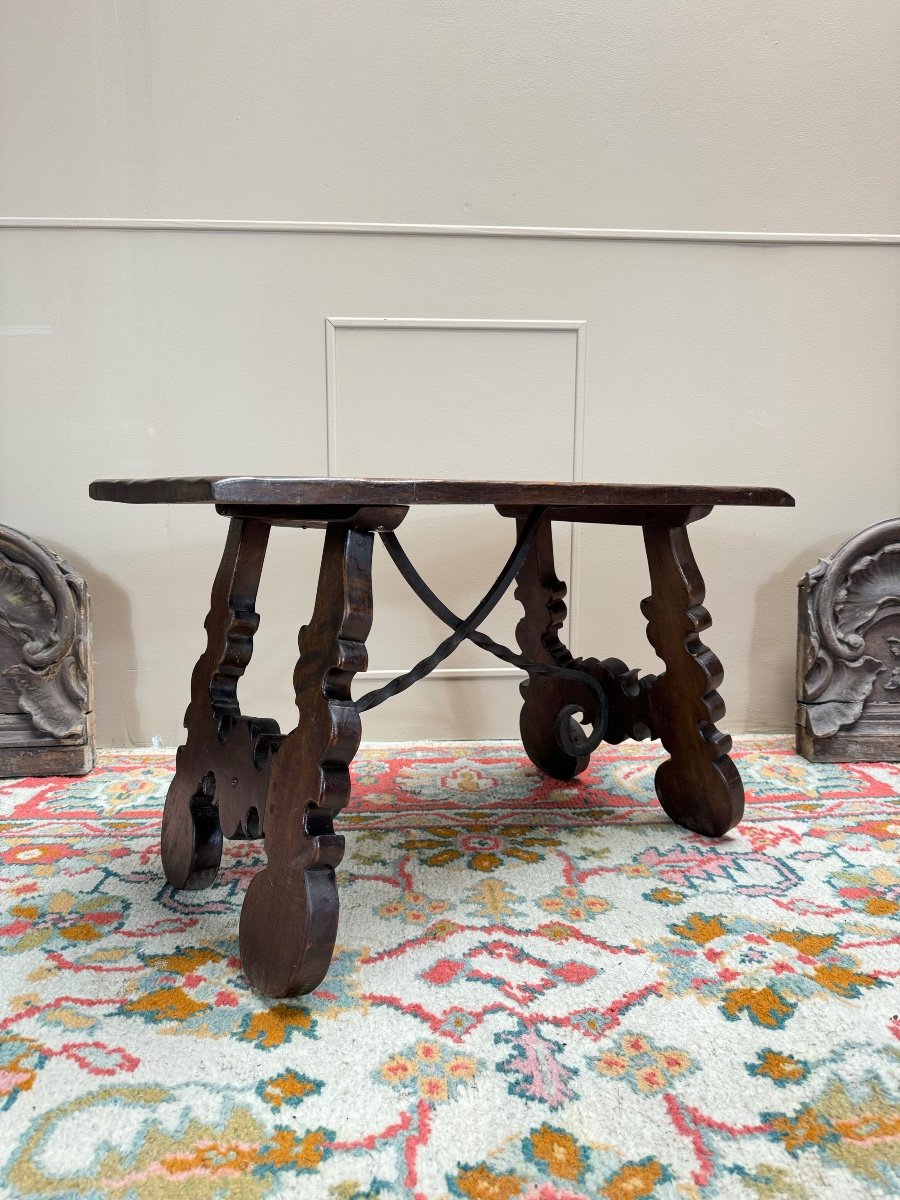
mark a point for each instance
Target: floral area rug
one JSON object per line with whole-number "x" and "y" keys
{"x": 541, "y": 991}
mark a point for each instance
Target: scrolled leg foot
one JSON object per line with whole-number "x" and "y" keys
{"x": 191, "y": 842}
{"x": 709, "y": 801}
{"x": 289, "y": 922}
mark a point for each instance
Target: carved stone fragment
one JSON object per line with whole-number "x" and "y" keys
{"x": 848, "y": 651}
{"x": 46, "y": 670}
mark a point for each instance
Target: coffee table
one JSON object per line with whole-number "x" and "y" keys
{"x": 239, "y": 776}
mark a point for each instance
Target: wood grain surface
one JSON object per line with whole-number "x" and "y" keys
{"x": 294, "y": 490}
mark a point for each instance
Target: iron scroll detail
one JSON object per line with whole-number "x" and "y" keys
{"x": 570, "y": 734}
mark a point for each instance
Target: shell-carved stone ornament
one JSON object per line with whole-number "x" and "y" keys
{"x": 848, "y": 651}
{"x": 46, "y": 671}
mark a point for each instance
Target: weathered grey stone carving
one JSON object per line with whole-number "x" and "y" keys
{"x": 46, "y": 670}
{"x": 848, "y": 651}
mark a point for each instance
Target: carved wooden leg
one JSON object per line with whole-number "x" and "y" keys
{"x": 290, "y": 913}
{"x": 220, "y": 775}
{"x": 544, "y": 697}
{"x": 542, "y": 595}
{"x": 699, "y": 786}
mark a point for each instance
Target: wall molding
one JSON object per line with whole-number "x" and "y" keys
{"x": 512, "y": 324}
{"x": 391, "y": 229}
{"x": 551, "y": 325}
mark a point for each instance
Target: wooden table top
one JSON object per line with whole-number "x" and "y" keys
{"x": 300, "y": 491}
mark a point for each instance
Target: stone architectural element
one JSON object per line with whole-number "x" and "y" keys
{"x": 848, "y": 651}
{"x": 46, "y": 669}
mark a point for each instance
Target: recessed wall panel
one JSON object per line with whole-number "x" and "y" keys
{"x": 451, "y": 398}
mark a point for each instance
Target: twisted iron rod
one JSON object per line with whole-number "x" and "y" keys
{"x": 571, "y": 735}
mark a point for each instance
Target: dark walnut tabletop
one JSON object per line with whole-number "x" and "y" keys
{"x": 289, "y": 490}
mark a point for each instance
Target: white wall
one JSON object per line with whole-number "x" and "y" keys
{"x": 747, "y": 332}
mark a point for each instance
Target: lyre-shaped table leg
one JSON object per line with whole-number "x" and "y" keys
{"x": 290, "y": 912}
{"x": 542, "y": 595}
{"x": 219, "y": 784}
{"x": 546, "y": 697}
{"x": 698, "y": 786}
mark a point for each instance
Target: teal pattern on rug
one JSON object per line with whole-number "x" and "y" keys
{"x": 541, "y": 991}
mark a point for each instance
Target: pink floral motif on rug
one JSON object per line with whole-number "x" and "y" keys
{"x": 542, "y": 991}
